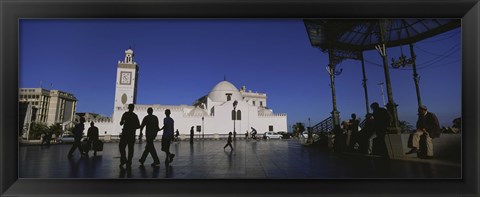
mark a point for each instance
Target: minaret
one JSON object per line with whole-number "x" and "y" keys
{"x": 126, "y": 83}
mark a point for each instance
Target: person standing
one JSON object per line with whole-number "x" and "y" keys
{"x": 177, "y": 133}
{"x": 229, "y": 142}
{"x": 130, "y": 124}
{"x": 43, "y": 138}
{"x": 353, "y": 129}
{"x": 77, "y": 135}
{"x": 151, "y": 122}
{"x": 191, "y": 135}
{"x": 92, "y": 136}
{"x": 368, "y": 134}
{"x": 427, "y": 124}
{"x": 167, "y": 137}
{"x": 382, "y": 121}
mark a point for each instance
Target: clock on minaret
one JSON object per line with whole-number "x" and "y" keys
{"x": 126, "y": 81}
{"x": 125, "y": 78}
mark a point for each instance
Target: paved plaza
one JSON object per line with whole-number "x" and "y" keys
{"x": 261, "y": 159}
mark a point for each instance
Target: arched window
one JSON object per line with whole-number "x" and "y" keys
{"x": 233, "y": 115}
{"x": 239, "y": 115}
{"x": 212, "y": 111}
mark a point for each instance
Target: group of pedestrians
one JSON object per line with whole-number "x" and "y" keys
{"x": 91, "y": 143}
{"x": 252, "y": 135}
{"x": 47, "y": 138}
{"x": 371, "y": 138}
{"x": 131, "y": 123}
{"x": 150, "y": 122}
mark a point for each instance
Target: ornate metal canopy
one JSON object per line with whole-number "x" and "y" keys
{"x": 347, "y": 38}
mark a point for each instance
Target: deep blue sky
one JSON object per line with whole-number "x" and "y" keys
{"x": 181, "y": 60}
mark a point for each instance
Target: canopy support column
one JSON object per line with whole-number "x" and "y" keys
{"x": 364, "y": 84}
{"x": 391, "y": 106}
{"x": 331, "y": 71}
{"x": 416, "y": 78}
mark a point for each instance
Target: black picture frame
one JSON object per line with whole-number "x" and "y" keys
{"x": 11, "y": 11}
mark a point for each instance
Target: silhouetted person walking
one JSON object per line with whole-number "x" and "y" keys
{"x": 229, "y": 142}
{"x": 77, "y": 135}
{"x": 427, "y": 124}
{"x": 191, "y": 135}
{"x": 151, "y": 122}
{"x": 167, "y": 137}
{"x": 382, "y": 121}
{"x": 130, "y": 124}
{"x": 92, "y": 136}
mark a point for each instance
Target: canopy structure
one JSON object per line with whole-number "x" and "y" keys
{"x": 364, "y": 34}
{"x": 348, "y": 38}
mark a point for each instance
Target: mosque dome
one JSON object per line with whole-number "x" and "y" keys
{"x": 221, "y": 91}
{"x": 197, "y": 112}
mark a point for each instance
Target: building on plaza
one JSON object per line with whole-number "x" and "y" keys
{"x": 210, "y": 115}
{"x": 46, "y": 106}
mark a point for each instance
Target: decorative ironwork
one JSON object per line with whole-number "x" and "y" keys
{"x": 381, "y": 49}
{"x": 402, "y": 61}
{"x": 324, "y": 126}
{"x": 332, "y": 70}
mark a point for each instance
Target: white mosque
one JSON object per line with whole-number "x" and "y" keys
{"x": 212, "y": 115}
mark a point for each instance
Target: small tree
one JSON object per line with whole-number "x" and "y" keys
{"x": 37, "y": 129}
{"x": 55, "y": 129}
{"x": 298, "y": 128}
{"x": 405, "y": 126}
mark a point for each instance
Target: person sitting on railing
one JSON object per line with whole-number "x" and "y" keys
{"x": 427, "y": 125}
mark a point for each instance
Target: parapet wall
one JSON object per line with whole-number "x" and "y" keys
{"x": 447, "y": 147}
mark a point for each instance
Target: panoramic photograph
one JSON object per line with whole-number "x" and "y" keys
{"x": 240, "y": 98}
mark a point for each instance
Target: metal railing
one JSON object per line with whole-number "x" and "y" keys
{"x": 324, "y": 126}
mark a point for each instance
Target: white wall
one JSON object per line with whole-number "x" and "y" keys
{"x": 221, "y": 123}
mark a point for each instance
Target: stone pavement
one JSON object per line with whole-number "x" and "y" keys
{"x": 261, "y": 159}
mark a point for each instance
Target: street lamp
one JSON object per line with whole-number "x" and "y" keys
{"x": 332, "y": 71}
{"x": 203, "y": 129}
{"x": 234, "y": 116}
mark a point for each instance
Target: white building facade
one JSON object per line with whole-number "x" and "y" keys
{"x": 211, "y": 115}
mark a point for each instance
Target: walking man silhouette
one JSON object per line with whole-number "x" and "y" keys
{"x": 151, "y": 122}
{"x": 77, "y": 134}
{"x": 92, "y": 135}
{"x": 167, "y": 136}
{"x": 130, "y": 124}
{"x": 229, "y": 142}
